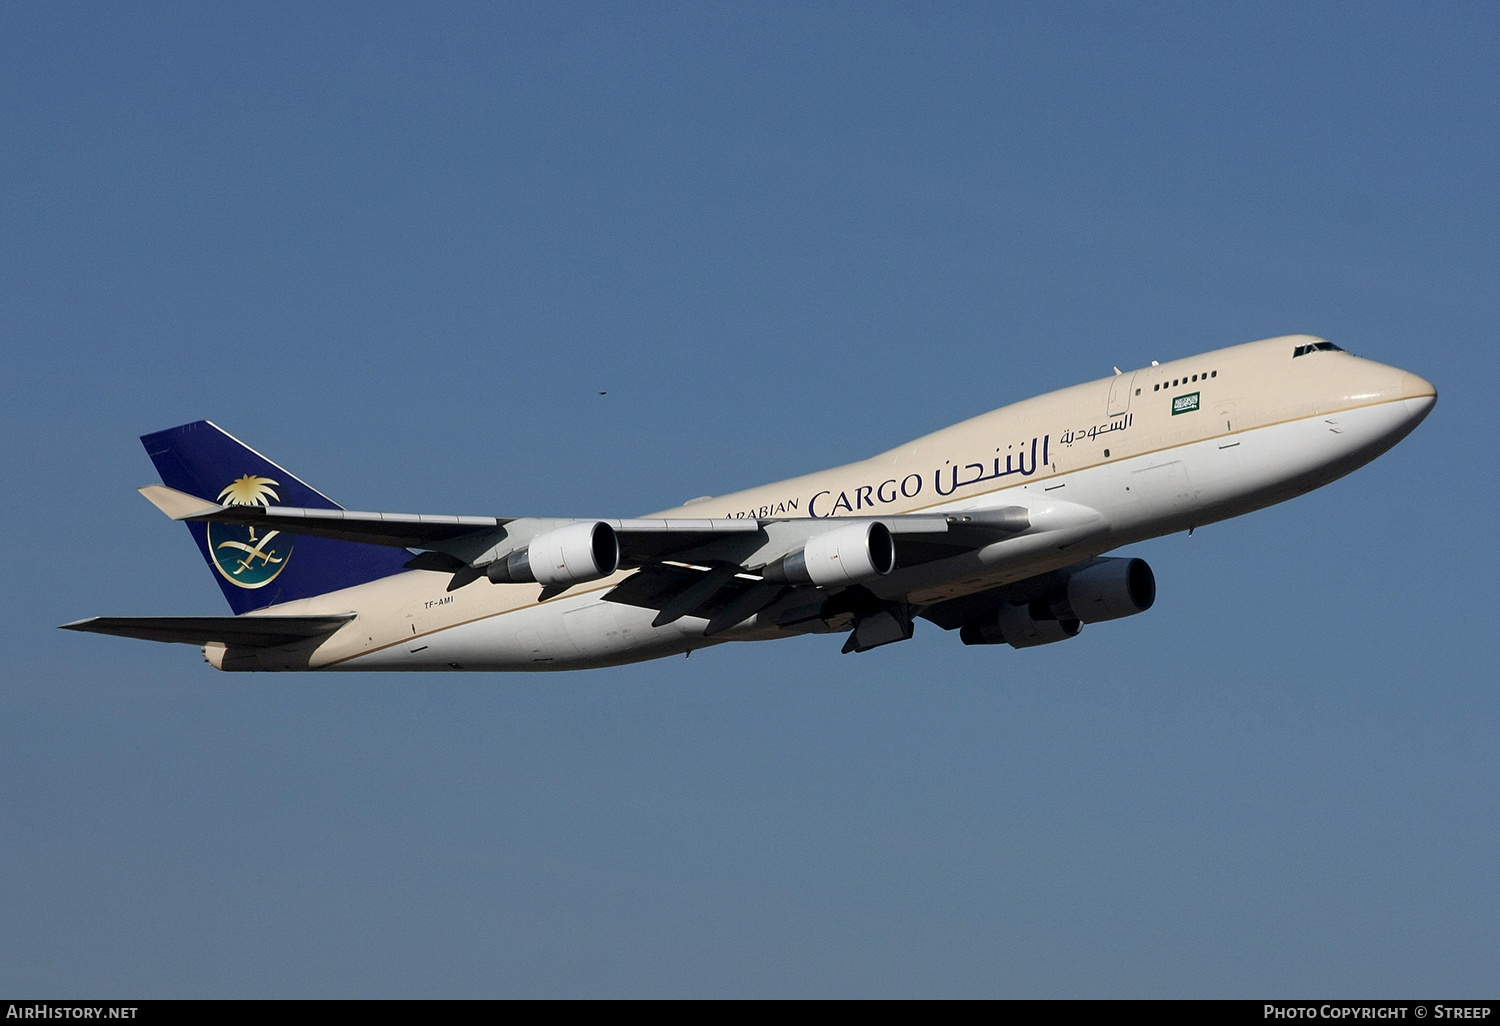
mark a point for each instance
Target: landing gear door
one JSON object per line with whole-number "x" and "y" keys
{"x": 1119, "y": 393}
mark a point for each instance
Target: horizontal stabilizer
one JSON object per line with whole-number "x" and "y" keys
{"x": 248, "y": 631}
{"x": 175, "y": 504}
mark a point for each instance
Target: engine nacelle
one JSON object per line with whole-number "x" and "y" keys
{"x": 568, "y": 555}
{"x": 844, "y": 555}
{"x": 1015, "y": 626}
{"x": 1107, "y": 590}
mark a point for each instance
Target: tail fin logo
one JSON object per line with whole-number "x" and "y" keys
{"x": 244, "y": 557}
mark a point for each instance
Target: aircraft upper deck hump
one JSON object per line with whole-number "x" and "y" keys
{"x": 259, "y": 568}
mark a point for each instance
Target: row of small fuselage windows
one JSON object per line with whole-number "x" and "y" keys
{"x": 1180, "y": 381}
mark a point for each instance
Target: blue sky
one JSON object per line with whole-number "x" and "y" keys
{"x": 402, "y": 251}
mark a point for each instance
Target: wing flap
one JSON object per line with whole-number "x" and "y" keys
{"x": 686, "y": 526}
{"x": 248, "y": 631}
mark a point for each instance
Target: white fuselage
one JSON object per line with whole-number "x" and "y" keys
{"x": 1099, "y": 465}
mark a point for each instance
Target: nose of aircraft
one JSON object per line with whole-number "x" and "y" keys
{"x": 1418, "y": 396}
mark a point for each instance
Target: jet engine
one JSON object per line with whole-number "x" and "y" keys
{"x": 1015, "y": 626}
{"x": 573, "y": 554}
{"x": 1106, "y": 589}
{"x": 844, "y": 555}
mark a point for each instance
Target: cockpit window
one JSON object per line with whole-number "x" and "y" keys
{"x": 1313, "y": 347}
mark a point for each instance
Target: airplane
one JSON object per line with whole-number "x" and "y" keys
{"x": 996, "y": 528}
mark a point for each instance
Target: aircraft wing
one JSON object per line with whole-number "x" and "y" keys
{"x": 400, "y": 530}
{"x": 642, "y": 539}
{"x": 469, "y": 547}
{"x": 248, "y": 631}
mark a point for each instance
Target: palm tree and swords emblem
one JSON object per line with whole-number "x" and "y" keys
{"x": 240, "y": 553}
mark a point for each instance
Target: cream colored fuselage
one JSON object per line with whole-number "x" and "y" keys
{"x": 1099, "y": 465}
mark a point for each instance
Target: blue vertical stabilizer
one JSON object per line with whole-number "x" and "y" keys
{"x": 259, "y": 567}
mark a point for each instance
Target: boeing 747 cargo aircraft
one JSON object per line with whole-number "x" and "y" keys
{"x": 996, "y": 528}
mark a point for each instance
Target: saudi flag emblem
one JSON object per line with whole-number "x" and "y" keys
{"x": 1184, "y": 403}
